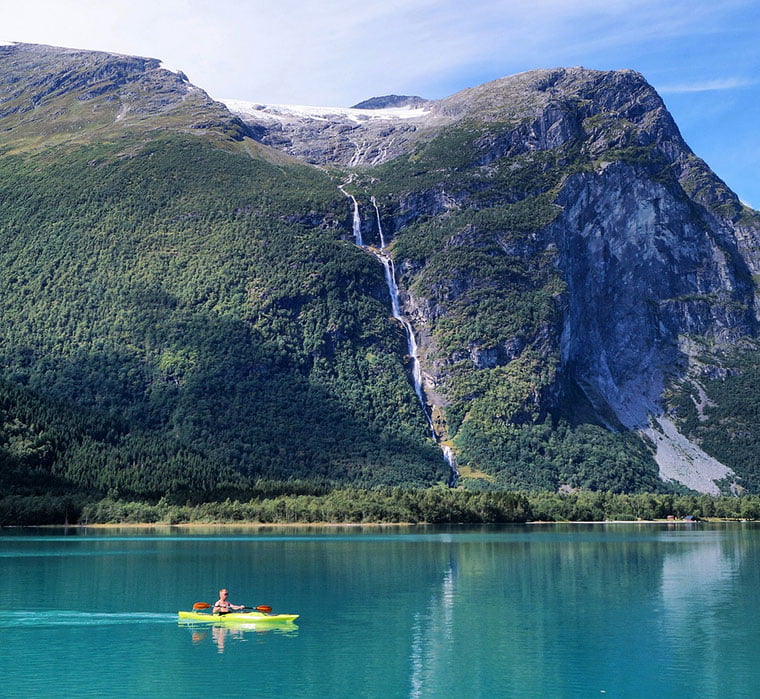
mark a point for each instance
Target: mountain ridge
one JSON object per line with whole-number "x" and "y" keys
{"x": 114, "y": 92}
{"x": 575, "y": 276}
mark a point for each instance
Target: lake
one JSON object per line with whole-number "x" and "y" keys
{"x": 615, "y": 610}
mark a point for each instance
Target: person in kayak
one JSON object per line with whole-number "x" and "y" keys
{"x": 223, "y": 605}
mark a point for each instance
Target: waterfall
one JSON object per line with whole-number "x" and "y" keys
{"x": 379, "y": 225}
{"x": 357, "y": 222}
{"x": 411, "y": 340}
{"x": 448, "y": 454}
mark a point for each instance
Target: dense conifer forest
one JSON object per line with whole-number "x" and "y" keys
{"x": 136, "y": 367}
{"x": 307, "y": 503}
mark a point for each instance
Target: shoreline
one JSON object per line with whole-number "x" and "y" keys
{"x": 355, "y": 525}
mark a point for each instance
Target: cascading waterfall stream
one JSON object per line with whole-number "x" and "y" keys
{"x": 451, "y": 460}
{"x": 379, "y": 225}
{"x": 357, "y": 222}
{"x": 411, "y": 340}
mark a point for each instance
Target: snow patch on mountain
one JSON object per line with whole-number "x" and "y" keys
{"x": 287, "y": 112}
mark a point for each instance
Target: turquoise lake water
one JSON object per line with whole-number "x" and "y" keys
{"x": 523, "y": 611}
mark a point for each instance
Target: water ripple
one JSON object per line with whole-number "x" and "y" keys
{"x": 36, "y": 619}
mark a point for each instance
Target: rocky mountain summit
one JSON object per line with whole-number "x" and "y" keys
{"x": 211, "y": 281}
{"x": 53, "y": 94}
{"x": 652, "y": 260}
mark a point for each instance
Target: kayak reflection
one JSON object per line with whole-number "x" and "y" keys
{"x": 232, "y": 632}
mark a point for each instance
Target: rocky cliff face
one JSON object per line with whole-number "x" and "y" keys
{"x": 643, "y": 271}
{"x": 646, "y": 255}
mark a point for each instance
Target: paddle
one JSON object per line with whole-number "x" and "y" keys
{"x": 265, "y": 608}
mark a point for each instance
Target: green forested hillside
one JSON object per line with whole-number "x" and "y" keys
{"x": 184, "y": 315}
{"x": 205, "y": 301}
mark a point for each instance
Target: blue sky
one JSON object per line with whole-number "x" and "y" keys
{"x": 702, "y": 56}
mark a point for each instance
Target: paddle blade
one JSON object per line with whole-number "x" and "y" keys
{"x": 201, "y": 605}
{"x": 264, "y": 608}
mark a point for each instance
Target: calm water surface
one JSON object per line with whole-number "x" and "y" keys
{"x": 527, "y": 611}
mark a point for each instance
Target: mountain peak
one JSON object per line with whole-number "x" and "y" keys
{"x": 98, "y": 92}
{"x": 391, "y": 101}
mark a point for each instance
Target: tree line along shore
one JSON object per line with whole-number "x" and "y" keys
{"x": 437, "y": 505}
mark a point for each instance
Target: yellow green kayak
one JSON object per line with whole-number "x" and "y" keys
{"x": 238, "y": 617}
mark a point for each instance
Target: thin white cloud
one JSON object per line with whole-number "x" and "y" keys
{"x": 341, "y": 51}
{"x": 707, "y": 86}
{"x": 335, "y": 48}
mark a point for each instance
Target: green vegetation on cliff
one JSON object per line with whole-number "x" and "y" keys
{"x": 203, "y": 301}
{"x": 484, "y": 272}
{"x": 727, "y": 423}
